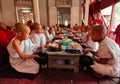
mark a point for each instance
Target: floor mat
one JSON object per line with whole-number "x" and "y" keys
{"x": 11, "y": 73}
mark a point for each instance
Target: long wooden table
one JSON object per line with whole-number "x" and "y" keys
{"x": 64, "y": 56}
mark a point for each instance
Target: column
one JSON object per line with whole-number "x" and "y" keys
{"x": 80, "y": 12}
{"x": 86, "y": 12}
{"x": 75, "y": 13}
{"x": 52, "y": 12}
{"x": 36, "y": 11}
{"x": 0, "y": 12}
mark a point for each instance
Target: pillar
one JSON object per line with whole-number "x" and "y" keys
{"x": 36, "y": 11}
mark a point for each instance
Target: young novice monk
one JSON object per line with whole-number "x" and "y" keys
{"x": 89, "y": 44}
{"x": 107, "y": 58}
{"x": 21, "y": 52}
{"x": 38, "y": 37}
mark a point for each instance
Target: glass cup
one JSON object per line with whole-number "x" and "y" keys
{"x": 63, "y": 47}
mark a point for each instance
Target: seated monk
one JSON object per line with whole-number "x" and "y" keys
{"x": 5, "y": 38}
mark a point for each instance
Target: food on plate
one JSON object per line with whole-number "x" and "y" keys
{"x": 53, "y": 45}
{"x": 58, "y": 41}
{"x": 76, "y": 45}
{"x": 67, "y": 40}
{"x": 76, "y": 38}
{"x": 59, "y": 36}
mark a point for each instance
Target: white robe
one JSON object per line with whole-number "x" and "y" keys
{"x": 23, "y": 65}
{"x": 108, "y": 49}
{"x": 38, "y": 39}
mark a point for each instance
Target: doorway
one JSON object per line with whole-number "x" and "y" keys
{"x": 24, "y": 14}
{"x": 24, "y": 10}
{"x": 63, "y": 17}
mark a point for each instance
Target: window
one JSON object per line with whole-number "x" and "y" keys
{"x": 115, "y": 14}
{"x": 116, "y": 17}
{"x": 107, "y": 14}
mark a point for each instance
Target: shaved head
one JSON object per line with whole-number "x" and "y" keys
{"x": 99, "y": 29}
{"x": 36, "y": 25}
{"x": 2, "y": 26}
{"x": 23, "y": 28}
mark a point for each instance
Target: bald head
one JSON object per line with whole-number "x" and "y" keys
{"x": 18, "y": 24}
{"x": 36, "y": 26}
{"x": 2, "y": 26}
{"x": 23, "y": 28}
{"x": 99, "y": 29}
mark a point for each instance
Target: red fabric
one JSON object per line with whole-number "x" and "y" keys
{"x": 98, "y": 21}
{"x": 3, "y": 51}
{"x": 5, "y": 38}
{"x": 10, "y": 34}
{"x": 117, "y": 32}
{"x": 94, "y": 7}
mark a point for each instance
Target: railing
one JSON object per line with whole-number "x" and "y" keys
{"x": 112, "y": 35}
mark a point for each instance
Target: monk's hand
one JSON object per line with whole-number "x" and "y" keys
{"x": 86, "y": 50}
{"x": 40, "y": 47}
{"x": 36, "y": 56}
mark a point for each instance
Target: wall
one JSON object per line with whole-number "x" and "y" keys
{"x": 75, "y": 12}
{"x": 0, "y": 11}
{"x": 8, "y": 12}
{"x": 48, "y": 12}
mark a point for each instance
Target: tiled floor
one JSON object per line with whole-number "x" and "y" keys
{"x": 55, "y": 76}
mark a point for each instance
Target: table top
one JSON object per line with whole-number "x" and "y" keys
{"x": 63, "y": 53}
{"x": 65, "y": 48}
